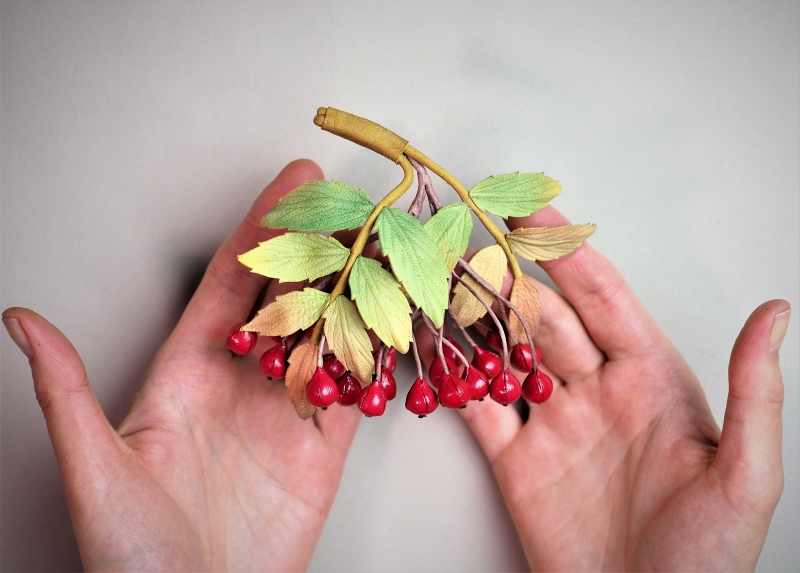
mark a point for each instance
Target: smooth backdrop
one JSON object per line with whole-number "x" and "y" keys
{"x": 136, "y": 134}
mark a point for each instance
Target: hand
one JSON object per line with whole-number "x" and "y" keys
{"x": 624, "y": 467}
{"x": 211, "y": 468}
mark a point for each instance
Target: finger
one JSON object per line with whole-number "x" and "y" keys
{"x": 749, "y": 455}
{"x": 566, "y": 347}
{"x": 229, "y": 289}
{"x": 615, "y": 319}
{"x": 494, "y": 426}
{"x": 338, "y": 425}
{"x": 85, "y": 444}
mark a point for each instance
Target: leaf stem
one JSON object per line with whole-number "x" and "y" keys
{"x": 442, "y": 340}
{"x": 491, "y": 314}
{"x": 463, "y": 330}
{"x": 494, "y": 230}
{"x": 363, "y": 235}
{"x": 503, "y": 301}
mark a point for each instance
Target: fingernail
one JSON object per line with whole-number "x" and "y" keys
{"x": 779, "y": 331}
{"x": 18, "y": 335}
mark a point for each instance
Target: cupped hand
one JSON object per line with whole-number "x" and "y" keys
{"x": 211, "y": 468}
{"x": 624, "y": 468}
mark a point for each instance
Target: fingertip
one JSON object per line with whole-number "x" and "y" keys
{"x": 303, "y": 168}
{"x": 545, "y": 217}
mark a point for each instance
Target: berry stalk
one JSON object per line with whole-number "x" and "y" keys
{"x": 463, "y": 192}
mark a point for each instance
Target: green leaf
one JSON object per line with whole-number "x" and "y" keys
{"x": 382, "y": 305}
{"x": 296, "y": 257}
{"x": 451, "y": 227}
{"x": 515, "y": 194}
{"x": 417, "y": 261}
{"x": 320, "y": 206}
{"x": 347, "y": 337}
{"x": 289, "y": 313}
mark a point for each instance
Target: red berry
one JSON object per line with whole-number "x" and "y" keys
{"x": 521, "y": 357}
{"x": 333, "y": 367}
{"x": 477, "y": 383}
{"x": 389, "y": 385}
{"x": 487, "y": 362}
{"x": 454, "y": 392}
{"x": 349, "y": 389}
{"x": 436, "y": 371}
{"x": 372, "y": 400}
{"x": 390, "y": 359}
{"x": 321, "y": 390}
{"x": 537, "y": 387}
{"x": 448, "y": 352}
{"x": 494, "y": 341}
{"x": 241, "y": 342}
{"x": 273, "y": 361}
{"x": 421, "y": 398}
{"x": 505, "y": 389}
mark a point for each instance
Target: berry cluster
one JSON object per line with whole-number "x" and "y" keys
{"x": 420, "y": 275}
{"x": 457, "y": 386}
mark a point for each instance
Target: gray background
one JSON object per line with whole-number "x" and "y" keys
{"x": 136, "y": 134}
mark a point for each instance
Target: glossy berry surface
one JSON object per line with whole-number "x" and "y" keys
{"x": 333, "y": 367}
{"x": 487, "y": 362}
{"x": 538, "y": 387}
{"x": 372, "y": 400}
{"x": 349, "y": 389}
{"x": 421, "y": 398}
{"x": 448, "y": 352}
{"x": 436, "y": 371}
{"x": 494, "y": 341}
{"x": 321, "y": 390}
{"x": 389, "y": 359}
{"x": 522, "y": 358}
{"x": 454, "y": 392}
{"x": 477, "y": 383}
{"x": 241, "y": 342}
{"x": 505, "y": 389}
{"x": 273, "y": 361}
{"x": 388, "y": 383}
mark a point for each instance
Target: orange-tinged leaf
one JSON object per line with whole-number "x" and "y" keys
{"x": 302, "y": 363}
{"x": 289, "y": 313}
{"x": 548, "y": 243}
{"x": 347, "y": 336}
{"x": 525, "y": 296}
{"x": 490, "y": 264}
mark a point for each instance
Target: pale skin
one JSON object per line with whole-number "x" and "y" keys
{"x": 623, "y": 468}
{"x": 211, "y": 469}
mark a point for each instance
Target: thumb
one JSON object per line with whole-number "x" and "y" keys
{"x": 749, "y": 458}
{"x": 83, "y": 440}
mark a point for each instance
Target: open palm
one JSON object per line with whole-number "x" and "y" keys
{"x": 211, "y": 468}
{"x": 624, "y": 467}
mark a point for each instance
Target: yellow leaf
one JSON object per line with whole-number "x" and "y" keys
{"x": 490, "y": 264}
{"x": 347, "y": 337}
{"x": 296, "y": 257}
{"x": 289, "y": 313}
{"x": 548, "y": 243}
{"x": 302, "y": 363}
{"x": 525, "y": 296}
